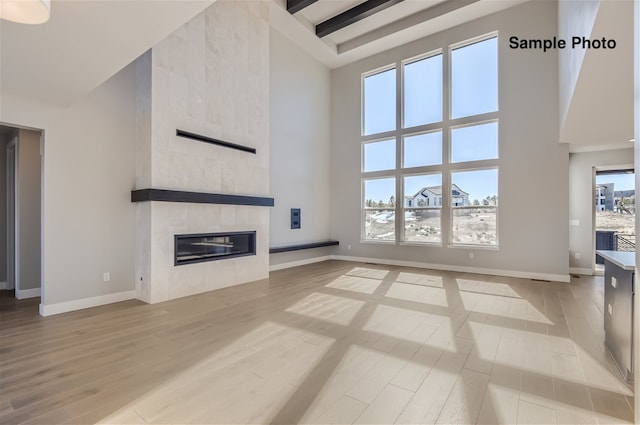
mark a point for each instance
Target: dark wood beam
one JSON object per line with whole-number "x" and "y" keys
{"x": 353, "y": 15}
{"x": 294, "y": 6}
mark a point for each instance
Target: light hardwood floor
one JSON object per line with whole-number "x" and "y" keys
{"x": 329, "y": 343}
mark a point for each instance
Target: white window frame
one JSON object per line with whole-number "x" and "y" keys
{"x": 446, "y": 167}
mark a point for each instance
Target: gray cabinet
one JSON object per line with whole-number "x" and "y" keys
{"x": 619, "y": 278}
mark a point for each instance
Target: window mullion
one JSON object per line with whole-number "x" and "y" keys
{"x": 445, "y": 215}
{"x": 399, "y": 149}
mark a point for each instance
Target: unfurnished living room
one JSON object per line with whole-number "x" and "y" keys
{"x": 232, "y": 211}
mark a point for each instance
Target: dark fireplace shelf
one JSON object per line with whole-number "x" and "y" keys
{"x": 143, "y": 195}
{"x": 211, "y": 140}
{"x": 300, "y": 247}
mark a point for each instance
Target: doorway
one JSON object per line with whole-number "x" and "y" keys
{"x": 20, "y": 220}
{"x": 614, "y": 211}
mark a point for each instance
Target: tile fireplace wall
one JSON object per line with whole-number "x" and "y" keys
{"x": 210, "y": 77}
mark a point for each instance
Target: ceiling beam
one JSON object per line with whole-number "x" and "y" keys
{"x": 416, "y": 20}
{"x": 294, "y": 6}
{"x": 353, "y": 15}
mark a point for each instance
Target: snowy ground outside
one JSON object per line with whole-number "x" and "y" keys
{"x": 470, "y": 225}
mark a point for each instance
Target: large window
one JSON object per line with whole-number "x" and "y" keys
{"x": 445, "y": 133}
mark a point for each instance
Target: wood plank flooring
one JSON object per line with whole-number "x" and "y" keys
{"x": 329, "y": 343}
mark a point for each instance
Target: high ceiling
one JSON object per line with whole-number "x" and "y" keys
{"x": 87, "y": 41}
{"x": 390, "y": 24}
{"x": 83, "y": 44}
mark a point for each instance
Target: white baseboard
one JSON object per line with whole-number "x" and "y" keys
{"x": 464, "y": 269}
{"x": 444, "y": 267}
{"x": 304, "y": 262}
{"x": 578, "y": 270}
{"x": 64, "y": 307}
{"x": 3, "y": 286}
{"x": 21, "y": 294}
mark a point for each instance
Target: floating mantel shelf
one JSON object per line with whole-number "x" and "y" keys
{"x": 213, "y": 141}
{"x": 142, "y": 195}
{"x": 288, "y": 248}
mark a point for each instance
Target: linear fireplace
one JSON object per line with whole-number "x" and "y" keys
{"x": 196, "y": 248}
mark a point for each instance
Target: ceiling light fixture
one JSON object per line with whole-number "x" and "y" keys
{"x": 632, "y": 140}
{"x": 25, "y": 11}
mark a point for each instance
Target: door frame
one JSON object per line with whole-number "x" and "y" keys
{"x": 596, "y": 171}
{"x": 13, "y": 272}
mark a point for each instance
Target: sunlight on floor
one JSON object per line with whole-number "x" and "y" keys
{"x": 353, "y": 366}
{"x": 398, "y": 323}
{"x": 247, "y": 381}
{"x": 363, "y": 285}
{"x": 368, "y": 272}
{"x": 338, "y": 310}
{"x": 385, "y": 347}
{"x": 418, "y": 294}
{"x": 508, "y": 306}
{"x": 420, "y": 279}
{"x": 489, "y": 288}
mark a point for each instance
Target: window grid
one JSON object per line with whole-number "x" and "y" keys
{"x": 447, "y": 167}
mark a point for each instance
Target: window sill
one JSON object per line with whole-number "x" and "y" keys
{"x": 477, "y": 247}
{"x": 377, "y": 242}
{"x": 422, "y": 244}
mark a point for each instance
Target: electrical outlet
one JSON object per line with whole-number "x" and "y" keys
{"x": 610, "y": 309}
{"x": 349, "y": 247}
{"x": 577, "y": 256}
{"x": 106, "y": 277}
{"x": 614, "y": 282}
{"x": 471, "y": 255}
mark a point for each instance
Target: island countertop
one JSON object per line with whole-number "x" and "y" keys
{"x": 626, "y": 260}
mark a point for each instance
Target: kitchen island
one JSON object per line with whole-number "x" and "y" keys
{"x": 619, "y": 276}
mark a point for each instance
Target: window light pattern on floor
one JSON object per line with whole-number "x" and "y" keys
{"x": 318, "y": 345}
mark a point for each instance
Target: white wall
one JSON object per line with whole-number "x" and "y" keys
{"x": 581, "y": 203}
{"x": 88, "y": 218}
{"x": 300, "y": 91}
{"x": 575, "y": 18}
{"x": 28, "y": 212}
{"x": 533, "y": 177}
